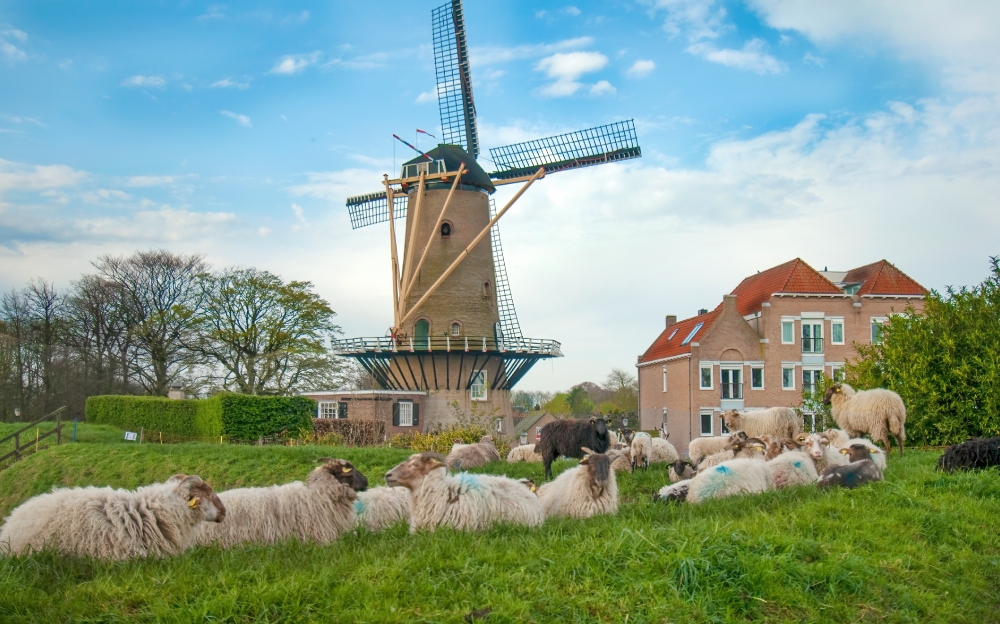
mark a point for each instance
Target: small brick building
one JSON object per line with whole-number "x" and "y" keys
{"x": 402, "y": 411}
{"x": 767, "y": 341}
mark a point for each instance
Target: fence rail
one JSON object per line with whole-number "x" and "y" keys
{"x": 447, "y": 344}
{"x": 31, "y": 445}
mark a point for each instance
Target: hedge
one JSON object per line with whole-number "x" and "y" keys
{"x": 237, "y": 416}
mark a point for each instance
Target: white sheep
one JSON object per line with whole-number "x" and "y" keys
{"x": 737, "y": 476}
{"x": 612, "y": 438}
{"x": 739, "y": 448}
{"x": 675, "y": 491}
{"x": 105, "y": 523}
{"x": 792, "y": 468}
{"x": 700, "y": 448}
{"x": 587, "y": 490}
{"x": 523, "y": 453}
{"x": 624, "y": 460}
{"x": 776, "y": 422}
{"x": 817, "y": 447}
{"x": 681, "y": 470}
{"x": 859, "y": 471}
{"x": 663, "y": 452}
{"x": 877, "y": 455}
{"x": 382, "y": 507}
{"x": 642, "y": 449}
{"x": 877, "y": 412}
{"x": 319, "y": 510}
{"x": 465, "y": 456}
{"x": 468, "y": 502}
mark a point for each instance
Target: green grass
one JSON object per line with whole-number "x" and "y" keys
{"x": 920, "y": 547}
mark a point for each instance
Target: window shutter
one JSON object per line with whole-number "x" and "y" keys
{"x": 416, "y": 414}
{"x": 395, "y": 414}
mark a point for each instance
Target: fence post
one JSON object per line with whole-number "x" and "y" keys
{"x": 220, "y": 439}
{"x": 58, "y": 429}
{"x": 75, "y": 420}
{"x": 161, "y": 437}
{"x": 36, "y": 438}
{"x": 141, "y": 431}
{"x": 17, "y": 446}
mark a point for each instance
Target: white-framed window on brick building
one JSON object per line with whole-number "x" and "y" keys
{"x": 328, "y": 409}
{"x": 731, "y": 381}
{"x": 756, "y": 377}
{"x": 810, "y": 378}
{"x": 837, "y": 374}
{"x": 664, "y": 377}
{"x": 812, "y": 336}
{"x": 787, "y": 377}
{"x": 837, "y": 332}
{"x": 405, "y": 414}
{"x": 787, "y": 331}
{"x": 706, "y": 422}
{"x": 478, "y": 387}
{"x": 499, "y": 425}
{"x": 705, "y": 378}
{"x": 877, "y": 322}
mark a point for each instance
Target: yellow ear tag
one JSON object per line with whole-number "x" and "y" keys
{"x": 533, "y": 488}
{"x": 345, "y": 470}
{"x": 193, "y": 502}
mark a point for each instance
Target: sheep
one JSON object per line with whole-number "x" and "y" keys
{"x": 681, "y": 470}
{"x": 624, "y": 461}
{"x": 464, "y": 501}
{"x": 792, "y": 468}
{"x": 104, "y": 523}
{"x": 676, "y": 492}
{"x": 612, "y": 438}
{"x": 877, "y": 455}
{"x": 777, "y": 422}
{"x": 739, "y": 448}
{"x": 861, "y": 470}
{"x": 642, "y": 449}
{"x": 663, "y": 452}
{"x": 568, "y": 437}
{"x": 465, "y": 456}
{"x": 877, "y": 412}
{"x": 382, "y": 507}
{"x": 319, "y": 510}
{"x": 523, "y": 453}
{"x": 587, "y": 490}
{"x": 818, "y": 448}
{"x": 971, "y": 454}
{"x": 528, "y": 483}
{"x": 777, "y": 447}
{"x": 736, "y": 476}
{"x": 701, "y": 448}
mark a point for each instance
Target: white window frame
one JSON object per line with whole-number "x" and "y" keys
{"x": 711, "y": 423}
{"x": 664, "y": 377}
{"x": 454, "y": 325}
{"x": 814, "y": 371}
{"x": 837, "y": 370}
{"x": 406, "y": 413}
{"x": 477, "y": 389}
{"x": 738, "y": 370}
{"x": 833, "y": 334}
{"x": 324, "y": 409}
{"x": 499, "y": 425}
{"x": 711, "y": 377}
{"x": 791, "y": 323}
{"x": 757, "y": 368}
{"x": 787, "y": 368}
{"x": 813, "y": 323}
{"x": 880, "y": 321}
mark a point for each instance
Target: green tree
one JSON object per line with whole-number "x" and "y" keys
{"x": 944, "y": 363}
{"x": 623, "y": 388}
{"x": 579, "y": 401}
{"x": 559, "y": 404}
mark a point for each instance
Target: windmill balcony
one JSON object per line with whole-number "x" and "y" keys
{"x": 447, "y": 344}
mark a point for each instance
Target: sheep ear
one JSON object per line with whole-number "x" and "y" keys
{"x": 592, "y": 419}
{"x": 586, "y": 450}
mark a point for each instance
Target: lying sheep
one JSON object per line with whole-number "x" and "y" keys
{"x": 379, "y": 508}
{"x": 792, "y": 468}
{"x": 818, "y": 448}
{"x": 701, "y": 448}
{"x": 612, "y": 438}
{"x": 568, "y": 437}
{"x": 681, "y": 470}
{"x": 972, "y": 454}
{"x": 877, "y": 412}
{"x": 319, "y": 510}
{"x": 777, "y": 422}
{"x": 739, "y": 448}
{"x": 676, "y": 492}
{"x": 859, "y": 471}
{"x": 877, "y": 455}
{"x": 623, "y": 462}
{"x": 105, "y": 523}
{"x": 465, "y": 456}
{"x": 587, "y": 490}
{"x": 663, "y": 452}
{"x": 777, "y": 447}
{"x": 737, "y": 476}
{"x": 523, "y": 453}
{"x": 464, "y": 501}
{"x": 641, "y": 449}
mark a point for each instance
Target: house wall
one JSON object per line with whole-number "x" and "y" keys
{"x": 368, "y": 406}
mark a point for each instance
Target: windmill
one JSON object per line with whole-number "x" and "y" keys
{"x": 455, "y": 333}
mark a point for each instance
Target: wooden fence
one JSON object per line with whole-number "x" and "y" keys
{"x": 30, "y": 443}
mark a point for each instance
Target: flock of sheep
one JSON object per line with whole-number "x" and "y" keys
{"x": 766, "y": 451}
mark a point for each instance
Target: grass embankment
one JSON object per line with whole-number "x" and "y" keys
{"x": 920, "y": 547}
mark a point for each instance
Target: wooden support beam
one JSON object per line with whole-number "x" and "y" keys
{"x": 513, "y": 180}
{"x": 408, "y": 284}
{"x": 409, "y": 242}
{"x": 392, "y": 250}
{"x": 462, "y": 256}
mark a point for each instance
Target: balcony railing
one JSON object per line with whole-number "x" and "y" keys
{"x": 732, "y": 390}
{"x": 446, "y": 344}
{"x": 812, "y": 345}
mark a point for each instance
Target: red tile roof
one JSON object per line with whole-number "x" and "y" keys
{"x": 668, "y": 344}
{"x": 794, "y": 276}
{"x": 882, "y": 278}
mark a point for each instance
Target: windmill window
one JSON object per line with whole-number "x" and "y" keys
{"x": 478, "y": 387}
{"x": 486, "y": 289}
{"x": 445, "y": 229}
{"x": 456, "y": 328}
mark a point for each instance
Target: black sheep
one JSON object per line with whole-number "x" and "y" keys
{"x": 568, "y": 437}
{"x": 971, "y": 454}
{"x": 861, "y": 470}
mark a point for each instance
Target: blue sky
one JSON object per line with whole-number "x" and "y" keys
{"x": 842, "y": 133}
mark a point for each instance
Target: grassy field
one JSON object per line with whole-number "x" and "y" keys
{"x": 920, "y": 547}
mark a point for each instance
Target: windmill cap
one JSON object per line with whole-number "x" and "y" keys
{"x": 453, "y": 156}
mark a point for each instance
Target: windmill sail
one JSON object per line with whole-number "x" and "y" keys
{"x": 510, "y": 329}
{"x": 454, "y": 81}
{"x": 583, "y": 148}
{"x": 373, "y": 208}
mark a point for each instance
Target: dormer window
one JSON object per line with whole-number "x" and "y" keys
{"x": 691, "y": 335}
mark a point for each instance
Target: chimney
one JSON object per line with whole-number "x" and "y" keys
{"x": 729, "y": 303}
{"x": 671, "y": 319}
{"x": 702, "y": 311}
{"x": 175, "y": 392}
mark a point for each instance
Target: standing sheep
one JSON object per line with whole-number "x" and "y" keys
{"x": 319, "y": 510}
{"x": 584, "y": 491}
{"x": 523, "y": 453}
{"x": 468, "y": 502}
{"x": 568, "y": 437}
{"x": 777, "y": 422}
{"x": 877, "y": 412}
{"x": 465, "y": 456}
{"x": 859, "y": 471}
{"x": 792, "y": 468}
{"x": 737, "y": 476}
{"x": 379, "y": 508}
{"x": 700, "y": 448}
{"x": 104, "y": 523}
{"x": 641, "y": 450}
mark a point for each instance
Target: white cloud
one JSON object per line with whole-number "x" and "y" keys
{"x": 494, "y": 55}
{"x": 813, "y": 59}
{"x": 20, "y": 35}
{"x": 242, "y": 120}
{"x": 227, "y": 83}
{"x": 752, "y": 57}
{"x": 144, "y": 81}
{"x": 640, "y": 69}
{"x": 566, "y": 69}
{"x": 214, "y": 11}
{"x": 141, "y": 181}
{"x": 19, "y": 120}
{"x": 299, "y": 218}
{"x": 426, "y": 97}
{"x": 67, "y": 64}
{"x": 12, "y": 52}
{"x": 571, "y": 10}
{"x": 293, "y": 64}
{"x": 17, "y": 176}
{"x": 368, "y": 61}
{"x": 696, "y": 20}
{"x": 602, "y": 88}
{"x": 100, "y": 195}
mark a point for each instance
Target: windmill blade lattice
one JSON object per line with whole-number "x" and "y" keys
{"x": 572, "y": 150}
{"x": 509, "y": 326}
{"x": 373, "y": 208}
{"x": 454, "y": 81}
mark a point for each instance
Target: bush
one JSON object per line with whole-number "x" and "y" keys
{"x": 248, "y": 417}
{"x": 349, "y": 432}
{"x": 441, "y": 441}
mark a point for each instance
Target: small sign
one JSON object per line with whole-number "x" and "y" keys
{"x": 131, "y": 436}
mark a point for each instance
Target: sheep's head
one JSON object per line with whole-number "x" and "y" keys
{"x": 627, "y": 435}
{"x": 598, "y": 469}
{"x": 681, "y": 466}
{"x": 345, "y": 473}
{"x": 737, "y": 435}
{"x": 733, "y": 419}
{"x": 754, "y": 445}
{"x": 201, "y": 498}
{"x": 600, "y": 427}
{"x": 859, "y": 452}
{"x": 816, "y": 444}
{"x": 528, "y": 483}
{"x": 663, "y": 432}
{"x": 801, "y": 438}
{"x": 487, "y": 439}
{"x": 411, "y": 472}
{"x": 832, "y": 390}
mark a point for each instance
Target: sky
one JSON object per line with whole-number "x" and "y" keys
{"x": 839, "y": 132}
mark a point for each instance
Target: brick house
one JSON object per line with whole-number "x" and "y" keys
{"x": 532, "y": 425}
{"x": 766, "y": 342}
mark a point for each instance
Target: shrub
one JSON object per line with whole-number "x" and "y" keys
{"x": 350, "y": 432}
{"x": 249, "y": 417}
{"x": 442, "y": 440}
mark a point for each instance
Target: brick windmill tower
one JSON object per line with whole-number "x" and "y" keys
{"x": 455, "y": 333}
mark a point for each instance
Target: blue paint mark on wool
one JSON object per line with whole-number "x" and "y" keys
{"x": 797, "y": 463}
{"x": 359, "y": 506}
{"x": 468, "y": 481}
{"x": 722, "y": 469}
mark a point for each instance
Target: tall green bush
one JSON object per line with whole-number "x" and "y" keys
{"x": 179, "y": 417}
{"x": 249, "y": 417}
{"x": 944, "y": 363}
